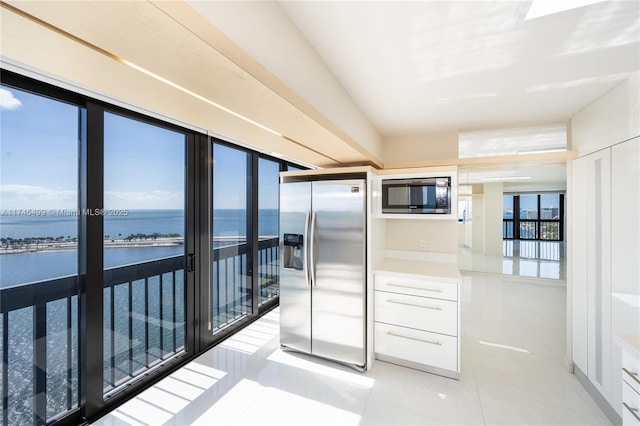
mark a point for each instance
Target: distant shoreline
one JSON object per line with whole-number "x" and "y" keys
{"x": 117, "y": 243}
{"x": 113, "y": 243}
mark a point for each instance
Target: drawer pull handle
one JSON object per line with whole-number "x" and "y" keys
{"x": 634, "y": 376}
{"x": 437, "y": 290}
{"x": 633, "y": 411}
{"x": 390, "y": 333}
{"x": 400, "y": 302}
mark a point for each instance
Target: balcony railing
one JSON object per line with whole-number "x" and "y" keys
{"x": 232, "y": 301}
{"x": 144, "y": 323}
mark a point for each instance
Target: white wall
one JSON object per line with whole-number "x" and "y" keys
{"x": 611, "y": 119}
{"x": 421, "y": 147}
{"x": 486, "y": 219}
{"x": 493, "y": 219}
{"x": 477, "y": 222}
{"x": 405, "y": 234}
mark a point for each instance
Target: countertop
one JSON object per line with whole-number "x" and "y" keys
{"x": 439, "y": 270}
{"x": 629, "y": 343}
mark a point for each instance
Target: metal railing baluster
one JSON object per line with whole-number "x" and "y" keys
{"x": 112, "y": 346}
{"x": 233, "y": 286}
{"x": 217, "y": 312}
{"x": 130, "y": 326}
{"x": 40, "y": 363}
{"x": 146, "y": 323}
{"x": 69, "y": 357}
{"x": 160, "y": 317}
{"x": 5, "y": 368}
{"x": 175, "y": 321}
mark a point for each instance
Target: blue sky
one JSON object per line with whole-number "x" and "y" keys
{"x": 144, "y": 164}
{"x": 229, "y": 177}
{"x": 38, "y": 152}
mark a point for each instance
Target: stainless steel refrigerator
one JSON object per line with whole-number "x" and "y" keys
{"x": 323, "y": 268}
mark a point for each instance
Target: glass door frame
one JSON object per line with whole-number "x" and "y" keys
{"x": 92, "y": 272}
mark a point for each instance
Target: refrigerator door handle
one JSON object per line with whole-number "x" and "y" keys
{"x": 312, "y": 260}
{"x": 305, "y": 264}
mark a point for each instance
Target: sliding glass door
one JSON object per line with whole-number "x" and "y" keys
{"x": 144, "y": 214}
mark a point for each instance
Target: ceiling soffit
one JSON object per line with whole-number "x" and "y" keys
{"x": 168, "y": 70}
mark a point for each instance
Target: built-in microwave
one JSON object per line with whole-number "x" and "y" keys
{"x": 430, "y": 195}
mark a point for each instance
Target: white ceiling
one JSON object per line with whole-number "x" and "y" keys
{"x": 506, "y": 84}
{"x": 424, "y": 66}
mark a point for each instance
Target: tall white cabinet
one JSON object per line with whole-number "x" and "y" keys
{"x": 606, "y": 262}
{"x": 592, "y": 267}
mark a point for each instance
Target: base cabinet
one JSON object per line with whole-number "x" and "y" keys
{"x": 417, "y": 322}
{"x": 630, "y": 381}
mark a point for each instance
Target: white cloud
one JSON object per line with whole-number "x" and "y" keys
{"x": 8, "y": 102}
{"x": 37, "y": 197}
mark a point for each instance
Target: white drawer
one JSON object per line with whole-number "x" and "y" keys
{"x": 630, "y": 405}
{"x": 631, "y": 370}
{"x": 416, "y": 286}
{"x": 417, "y": 346}
{"x": 423, "y": 313}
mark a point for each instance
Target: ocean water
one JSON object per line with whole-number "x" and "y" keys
{"x": 20, "y": 268}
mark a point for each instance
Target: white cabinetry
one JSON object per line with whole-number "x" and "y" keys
{"x": 630, "y": 379}
{"x": 592, "y": 268}
{"x": 625, "y": 247}
{"x": 605, "y": 253}
{"x": 417, "y": 317}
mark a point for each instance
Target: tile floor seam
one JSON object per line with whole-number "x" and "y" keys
{"x": 475, "y": 382}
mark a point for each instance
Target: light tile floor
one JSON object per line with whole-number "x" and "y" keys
{"x": 513, "y": 337}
